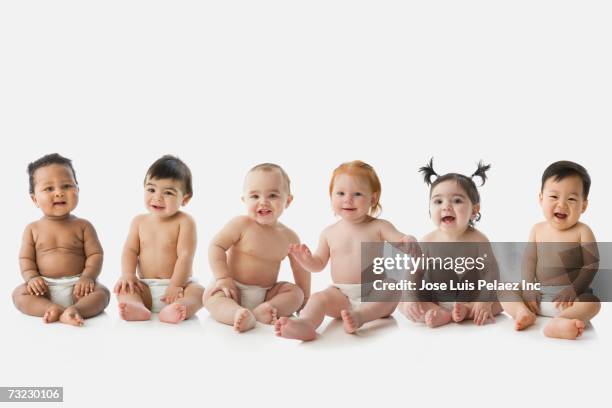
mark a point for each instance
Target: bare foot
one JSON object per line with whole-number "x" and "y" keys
{"x": 243, "y": 320}
{"x": 265, "y": 313}
{"x": 437, "y": 317}
{"x": 132, "y": 311}
{"x": 459, "y": 312}
{"x": 350, "y": 320}
{"x": 173, "y": 313}
{"x": 562, "y": 328}
{"x": 294, "y": 329}
{"x": 71, "y": 316}
{"x": 524, "y": 319}
{"x": 52, "y": 314}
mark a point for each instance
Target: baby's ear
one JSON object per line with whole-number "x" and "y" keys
{"x": 585, "y": 204}
{"x": 289, "y": 200}
{"x": 475, "y": 210}
{"x": 186, "y": 199}
{"x": 540, "y": 197}
{"x": 374, "y": 199}
{"x": 33, "y": 197}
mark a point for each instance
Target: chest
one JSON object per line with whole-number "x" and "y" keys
{"x": 158, "y": 236}
{"x": 269, "y": 245}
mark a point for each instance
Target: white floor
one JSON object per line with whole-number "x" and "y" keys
{"x": 201, "y": 362}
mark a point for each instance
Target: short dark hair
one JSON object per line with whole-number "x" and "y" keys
{"x": 565, "y": 168}
{"x": 47, "y": 160}
{"x": 171, "y": 167}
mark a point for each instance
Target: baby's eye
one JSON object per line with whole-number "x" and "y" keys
{"x": 48, "y": 189}
{"x": 553, "y": 197}
{"x": 358, "y": 194}
{"x": 572, "y": 199}
{"x": 67, "y": 186}
{"x": 273, "y": 196}
{"x": 457, "y": 201}
{"x": 169, "y": 193}
{"x": 340, "y": 193}
{"x": 254, "y": 196}
{"x": 150, "y": 190}
{"x": 437, "y": 201}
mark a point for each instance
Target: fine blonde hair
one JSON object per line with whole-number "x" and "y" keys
{"x": 357, "y": 168}
{"x": 272, "y": 167}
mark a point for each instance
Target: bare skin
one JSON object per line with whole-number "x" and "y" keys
{"x": 340, "y": 244}
{"x": 562, "y": 204}
{"x": 451, "y": 211}
{"x": 160, "y": 245}
{"x": 249, "y": 250}
{"x": 56, "y": 246}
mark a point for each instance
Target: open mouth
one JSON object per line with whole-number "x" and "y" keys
{"x": 264, "y": 212}
{"x": 448, "y": 219}
{"x": 59, "y": 203}
{"x": 157, "y": 207}
{"x": 560, "y": 216}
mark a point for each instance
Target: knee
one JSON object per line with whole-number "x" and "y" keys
{"x": 318, "y": 297}
{"x": 105, "y": 293}
{"x": 18, "y": 296}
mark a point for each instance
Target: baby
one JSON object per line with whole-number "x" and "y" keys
{"x": 454, "y": 207}
{"x": 565, "y": 294}
{"x": 245, "y": 257}
{"x": 160, "y": 246}
{"x": 60, "y": 257}
{"x": 355, "y": 193}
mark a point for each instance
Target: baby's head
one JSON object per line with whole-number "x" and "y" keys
{"x": 564, "y": 193}
{"x": 454, "y": 201}
{"x": 355, "y": 191}
{"x": 53, "y": 185}
{"x": 266, "y": 193}
{"x": 167, "y": 186}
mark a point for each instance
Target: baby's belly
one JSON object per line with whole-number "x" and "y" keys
{"x": 156, "y": 265}
{"x": 60, "y": 263}
{"x": 347, "y": 271}
{"x": 254, "y": 272}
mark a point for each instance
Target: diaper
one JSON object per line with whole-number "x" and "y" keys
{"x": 60, "y": 289}
{"x": 251, "y": 296}
{"x": 352, "y": 291}
{"x": 547, "y": 306}
{"x": 158, "y": 289}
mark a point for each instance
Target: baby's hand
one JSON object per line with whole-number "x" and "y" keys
{"x": 409, "y": 245}
{"x": 301, "y": 253}
{"x": 533, "y": 306}
{"x": 172, "y": 293}
{"x": 83, "y": 287}
{"x": 565, "y": 298}
{"x": 413, "y": 311}
{"x": 37, "y": 286}
{"x": 481, "y": 312}
{"x": 129, "y": 284}
{"x": 228, "y": 287}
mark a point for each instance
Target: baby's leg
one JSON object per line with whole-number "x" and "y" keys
{"x": 226, "y": 310}
{"x": 327, "y": 302}
{"x": 283, "y": 299}
{"x": 523, "y": 317}
{"x": 135, "y": 306}
{"x": 185, "y": 307}
{"x": 572, "y": 320}
{"x": 366, "y": 312}
{"x": 33, "y": 305}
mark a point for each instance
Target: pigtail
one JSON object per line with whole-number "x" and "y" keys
{"x": 428, "y": 172}
{"x": 481, "y": 172}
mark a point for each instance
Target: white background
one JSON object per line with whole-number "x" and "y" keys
{"x": 308, "y": 85}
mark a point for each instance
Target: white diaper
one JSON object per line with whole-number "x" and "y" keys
{"x": 60, "y": 289}
{"x": 251, "y": 296}
{"x": 158, "y": 289}
{"x": 547, "y": 306}
{"x": 352, "y": 291}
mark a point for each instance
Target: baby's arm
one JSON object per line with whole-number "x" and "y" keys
{"x": 530, "y": 259}
{"x": 93, "y": 261}
{"x": 301, "y": 276}
{"x": 311, "y": 262}
{"x": 129, "y": 261}
{"x": 390, "y": 234}
{"x": 217, "y": 256}
{"x": 36, "y": 285}
{"x": 185, "y": 251}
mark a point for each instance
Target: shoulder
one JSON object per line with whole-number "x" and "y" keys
{"x": 537, "y": 229}
{"x": 478, "y": 236}
{"x": 83, "y": 223}
{"x": 290, "y": 234}
{"x": 430, "y": 237}
{"x": 381, "y": 223}
{"x": 186, "y": 219}
{"x": 586, "y": 234}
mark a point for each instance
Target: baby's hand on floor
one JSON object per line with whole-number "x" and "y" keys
{"x": 301, "y": 253}
{"x": 481, "y": 313}
{"x": 83, "y": 287}
{"x": 172, "y": 294}
{"x": 37, "y": 286}
{"x": 565, "y": 298}
{"x": 129, "y": 284}
{"x": 413, "y": 311}
{"x": 533, "y": 306}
